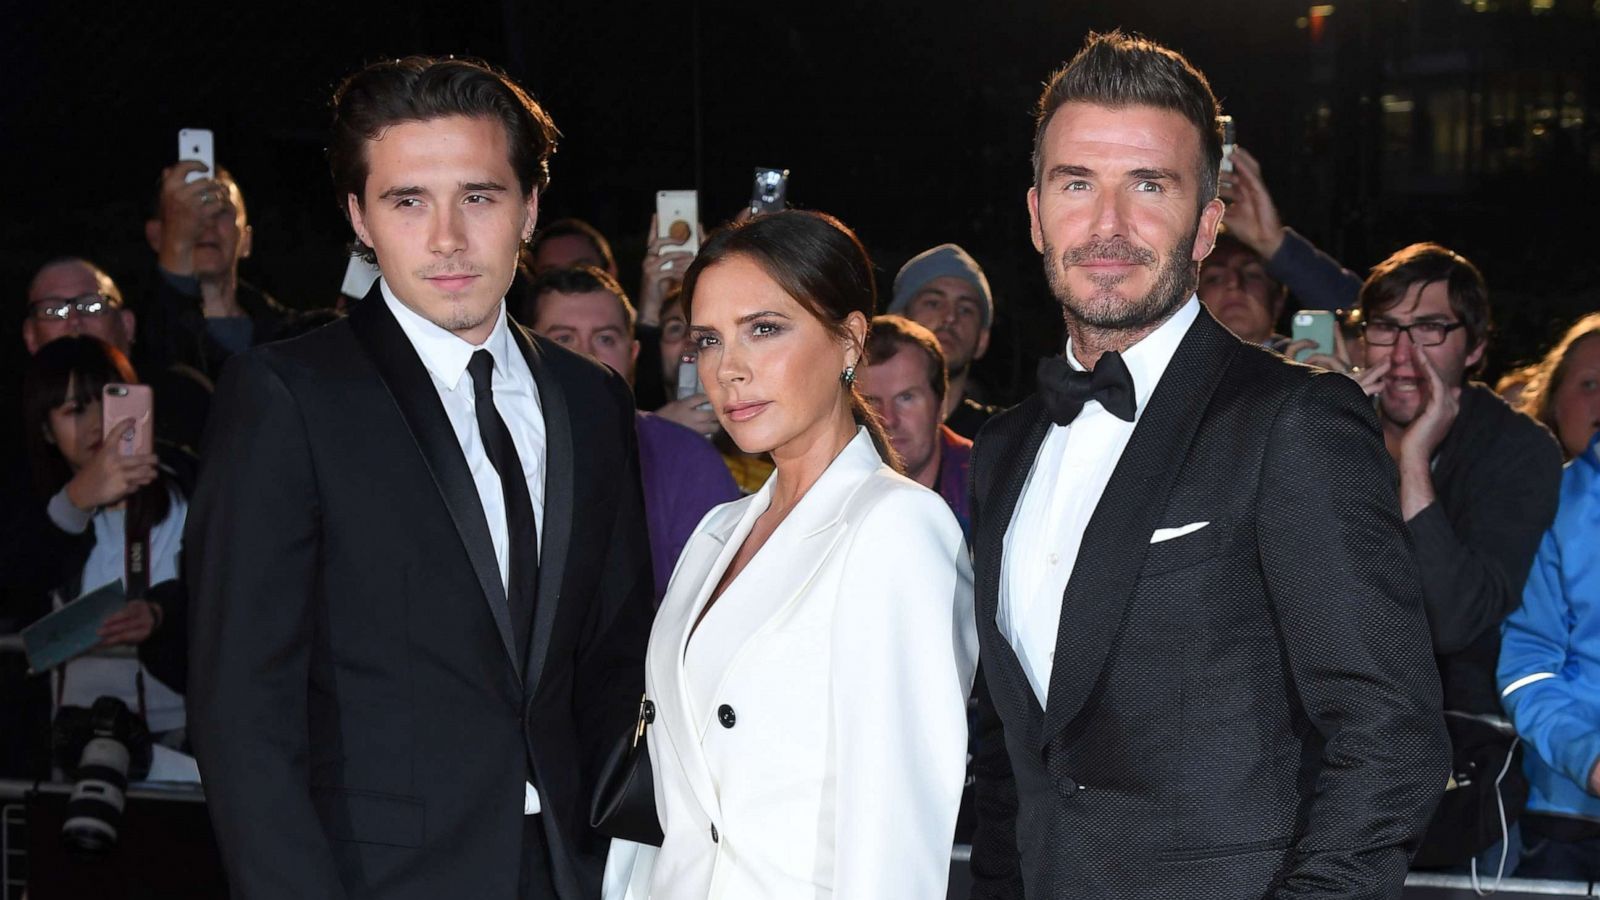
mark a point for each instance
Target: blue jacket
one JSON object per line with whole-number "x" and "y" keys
{"x": 1549, "y": 673}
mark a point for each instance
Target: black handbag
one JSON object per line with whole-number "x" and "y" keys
{"x": 624, "y": 804}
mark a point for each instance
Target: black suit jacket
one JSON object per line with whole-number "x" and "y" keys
{"x": 362, "y": 725}
{"x": 1245, "y": 711}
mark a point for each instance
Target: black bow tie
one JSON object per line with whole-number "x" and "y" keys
{"x": 1065, "y": 390}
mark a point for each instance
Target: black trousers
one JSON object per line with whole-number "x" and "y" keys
{"x": 535, "y": 882}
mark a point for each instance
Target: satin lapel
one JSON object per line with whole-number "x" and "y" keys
{"x": 555, "y": 538}
{"x": 418, "y": 401}
{"x": 1014, "y": 457}
{"x": 1106, "y": 572}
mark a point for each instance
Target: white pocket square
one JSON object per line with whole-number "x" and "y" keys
{"x": 1167, "y": 534}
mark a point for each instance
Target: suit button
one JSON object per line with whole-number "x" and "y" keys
{"x": 1066, "y": 786}
{"x": 649, "y": 713}
{"x": 725, "y": 716}
{"x": 714, "y": 836}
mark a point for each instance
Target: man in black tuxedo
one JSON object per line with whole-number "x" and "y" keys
{"x": 1208, "y": 672}
{"x": 407, "y": 666}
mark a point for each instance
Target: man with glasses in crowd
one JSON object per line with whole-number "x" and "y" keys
{"x": 70, "y": 296}
{"x": 74, "y": 296}
{"x": 1478, "y": 484}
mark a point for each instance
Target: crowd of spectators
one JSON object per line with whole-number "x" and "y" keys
{"x": 1500, "y": 491}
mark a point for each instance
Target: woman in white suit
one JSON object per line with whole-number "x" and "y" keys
{"x": 811, "y": 661}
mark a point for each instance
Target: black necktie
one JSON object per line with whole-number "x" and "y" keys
{"x": 1065, "y": 389}
{"x": 522, "y": 536}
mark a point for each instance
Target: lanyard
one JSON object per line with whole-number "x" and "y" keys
{"x": 136, "y": 579}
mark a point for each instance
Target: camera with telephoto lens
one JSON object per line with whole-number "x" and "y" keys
{"x": 101, "y": 749}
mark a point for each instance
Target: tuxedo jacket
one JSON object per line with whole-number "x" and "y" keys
{"x": 363, "y": 726}
{"x": 1250, "y": 709}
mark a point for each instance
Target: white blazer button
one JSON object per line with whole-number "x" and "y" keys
{"x": 725, "y": 716}
{"x": 714, "y": 836}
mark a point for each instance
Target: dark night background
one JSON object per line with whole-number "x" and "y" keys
{"x": 1378, "y": 122}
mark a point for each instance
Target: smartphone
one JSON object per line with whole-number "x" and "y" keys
{"x": 1315, "y": 325}
{"x": 1230, "y": 140}
{"x": 359, "y": 276}
{"x": 677, "y": 220}
{"x": 129, "y": 401}
{"x": 689, "y": 382}
{"x": 195, "y": 144}
{"x": 770, "y": 191}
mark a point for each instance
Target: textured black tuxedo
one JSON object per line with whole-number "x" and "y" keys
{"x": 1246, "y": 711}
{"x": 362, "y": 723}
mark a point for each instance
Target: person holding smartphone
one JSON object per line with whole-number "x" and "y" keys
{"x": 200, "y": 311}
{"x": 98, "y": 499}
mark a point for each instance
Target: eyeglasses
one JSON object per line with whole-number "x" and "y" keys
{"x": 88, "y": 306}
{"x": 1381, "y": 333}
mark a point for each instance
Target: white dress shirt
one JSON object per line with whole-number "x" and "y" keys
{"x": 1063, "y": 488}
{"x": 516, "y": 397}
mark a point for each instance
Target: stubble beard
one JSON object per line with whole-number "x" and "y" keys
{"x": 463, "y": 314}
{"x": 1107, "y": 311}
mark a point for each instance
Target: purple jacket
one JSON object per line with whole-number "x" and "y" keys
{"x": 684, "y": 477}
{"x": 952, "y": 483}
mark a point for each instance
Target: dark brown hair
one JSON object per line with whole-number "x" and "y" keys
{"x": 578, "y": 280}
{"x": 1424, "y": 264}
{"x": 572, "y": 228}
{"x": 84, "y": 365}
{"x": 1119, "y": 70}
{"x": 420, "y": 89}
{"x": 817, "y": 260}
{"x": 891, "y": 334}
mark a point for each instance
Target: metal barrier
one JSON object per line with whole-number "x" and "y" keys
{"x": 13, "y": 855}
{"x": 14, "y": 878}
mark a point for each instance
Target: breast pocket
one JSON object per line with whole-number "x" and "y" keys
{"x": 1186, "y": 551}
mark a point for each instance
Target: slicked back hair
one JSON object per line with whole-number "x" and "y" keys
{"x": 421, "y": 89}
{"x": 1119, "y": 70}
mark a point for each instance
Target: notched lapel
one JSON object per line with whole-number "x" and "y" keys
{"x": 555, "y": 538}
{"x": 417, "y": 399}
{"x": 1114, "y": 544}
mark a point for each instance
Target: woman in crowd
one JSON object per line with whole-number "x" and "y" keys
{"x": 810, "y": 665}
{"x": 1549, "y": 673}
{"x": 1564, "y": 391}
{"x": 91, "y": 499}
{"x": 1549, "y": 680}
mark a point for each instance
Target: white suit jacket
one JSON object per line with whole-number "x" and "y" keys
{"x": 833, "y": 760}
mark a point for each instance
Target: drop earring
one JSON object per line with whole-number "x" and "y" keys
{"x": 848, "y": 376}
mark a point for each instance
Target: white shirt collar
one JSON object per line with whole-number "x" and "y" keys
{"x": 1148, "y": 359}
{"x": 443, "y": 353}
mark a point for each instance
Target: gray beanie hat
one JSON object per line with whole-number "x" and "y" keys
{"x": 945, "y": 259}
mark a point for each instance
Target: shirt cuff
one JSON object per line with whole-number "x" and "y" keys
{"x": 530, "y": 799}
{"x": 66, "y": 516}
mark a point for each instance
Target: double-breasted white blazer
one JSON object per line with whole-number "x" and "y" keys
{"x": 829, "y": 762}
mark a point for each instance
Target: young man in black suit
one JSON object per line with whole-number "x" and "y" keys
{"x": 421, "y": 578}
{"x": 1201, "y": 624}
